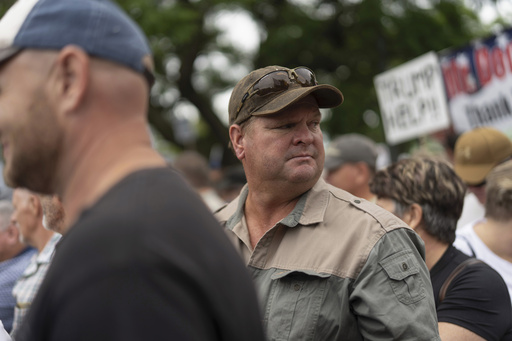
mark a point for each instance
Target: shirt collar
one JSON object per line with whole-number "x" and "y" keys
{"x": 310, "y": 209}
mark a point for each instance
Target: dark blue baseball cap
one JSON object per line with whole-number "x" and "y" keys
{"x": 99, "y": 27}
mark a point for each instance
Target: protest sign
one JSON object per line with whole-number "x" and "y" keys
{"x": 412, "y": 99}
{"x": 478, "y": 81}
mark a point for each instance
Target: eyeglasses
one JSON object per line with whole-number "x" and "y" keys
{"x": 277, "y": 81}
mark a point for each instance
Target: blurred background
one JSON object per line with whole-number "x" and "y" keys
{"x": 203, "y": 47}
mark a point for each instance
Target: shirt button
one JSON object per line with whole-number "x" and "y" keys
{"x": 296, "y": 287}
{"x": 404, "y": 266}
{"x": 357, "y": 201}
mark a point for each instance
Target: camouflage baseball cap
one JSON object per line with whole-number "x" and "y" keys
{"x": 478, "y": 151}
{"x": 270, "y": 89}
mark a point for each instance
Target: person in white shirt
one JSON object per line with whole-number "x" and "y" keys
{"x": 490, "y": 239}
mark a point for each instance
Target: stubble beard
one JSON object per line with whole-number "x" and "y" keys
{"x": 35, "y": 154}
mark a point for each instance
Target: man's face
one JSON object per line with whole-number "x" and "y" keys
{"x": 24, "y": 214}
{"x": 28, "y": 127}
{"x": 287, "y": 146}
{"x": 9, "y": 239}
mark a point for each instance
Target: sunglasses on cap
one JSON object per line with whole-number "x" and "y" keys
{"x": 278, "y": 81}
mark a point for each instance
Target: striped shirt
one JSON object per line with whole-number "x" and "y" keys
{"x": 10, "y": 271}
{"x": 27, "y": 285}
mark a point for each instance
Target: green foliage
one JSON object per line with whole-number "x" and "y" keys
{"x": 346, "y": 42}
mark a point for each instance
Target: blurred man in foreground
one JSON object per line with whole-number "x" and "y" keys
{"x": 143, "y": 258}
{"x": 327, "y": 265}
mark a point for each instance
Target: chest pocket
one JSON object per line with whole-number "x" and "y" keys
{"x": 293, "y": 307}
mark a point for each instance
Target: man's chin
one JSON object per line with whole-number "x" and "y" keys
{"x": 305, "y": 175}
{"x": 14, "y": 179}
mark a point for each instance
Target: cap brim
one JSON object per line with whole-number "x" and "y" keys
{"x": 473, "y": 174}
{"x": 332, "y": 163}
{"x": 7, "y": 53}
{"x": 327, "y": 96}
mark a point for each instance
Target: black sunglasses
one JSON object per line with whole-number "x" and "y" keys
{"x": 277, "y": 81}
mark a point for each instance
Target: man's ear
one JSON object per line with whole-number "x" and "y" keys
{"x": 72, "y": 77}
{"x": 237, "y": 137}
{"x": 35, "y": 205}
{"x": 414, "y": 216}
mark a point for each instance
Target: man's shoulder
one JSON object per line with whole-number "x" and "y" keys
{"x": 145, "y": 193}
{"x": 345, "y": 204}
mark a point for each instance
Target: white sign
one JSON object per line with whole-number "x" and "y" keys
{"x": 412, "y": 99}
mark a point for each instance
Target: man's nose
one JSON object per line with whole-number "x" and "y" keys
{"x": 303, "y": 134}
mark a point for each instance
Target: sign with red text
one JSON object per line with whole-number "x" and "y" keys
{"x": 412, "y": 99}
{"x": 478, "y": 81}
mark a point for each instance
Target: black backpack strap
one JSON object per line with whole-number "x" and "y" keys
{"x": 455, "y": 272}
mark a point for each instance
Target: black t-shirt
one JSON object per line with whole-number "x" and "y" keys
{"x": 477, "y": 299}
{"x": 148, "y": 261}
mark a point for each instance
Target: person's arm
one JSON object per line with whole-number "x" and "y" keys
{"x": 392, "y": 296}
{"x": 453, "y": 332}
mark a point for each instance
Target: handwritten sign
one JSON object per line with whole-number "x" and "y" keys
{"x": 412, "y": 99}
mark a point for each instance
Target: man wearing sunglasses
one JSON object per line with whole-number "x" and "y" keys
{"x": 327, "y": 265}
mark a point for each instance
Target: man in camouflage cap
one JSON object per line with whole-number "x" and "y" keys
{"x": 327, "y": 265}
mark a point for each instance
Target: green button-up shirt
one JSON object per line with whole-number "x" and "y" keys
{"x": 337, "y": 268}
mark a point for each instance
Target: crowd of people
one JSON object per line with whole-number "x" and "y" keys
{"x": 104, "y": 239}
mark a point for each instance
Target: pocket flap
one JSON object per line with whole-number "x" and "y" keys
{"x": 400, "y": 265}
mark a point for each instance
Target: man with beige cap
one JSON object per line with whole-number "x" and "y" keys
{"x": 476, "y": 153}
{"x": 327, "y": 265}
